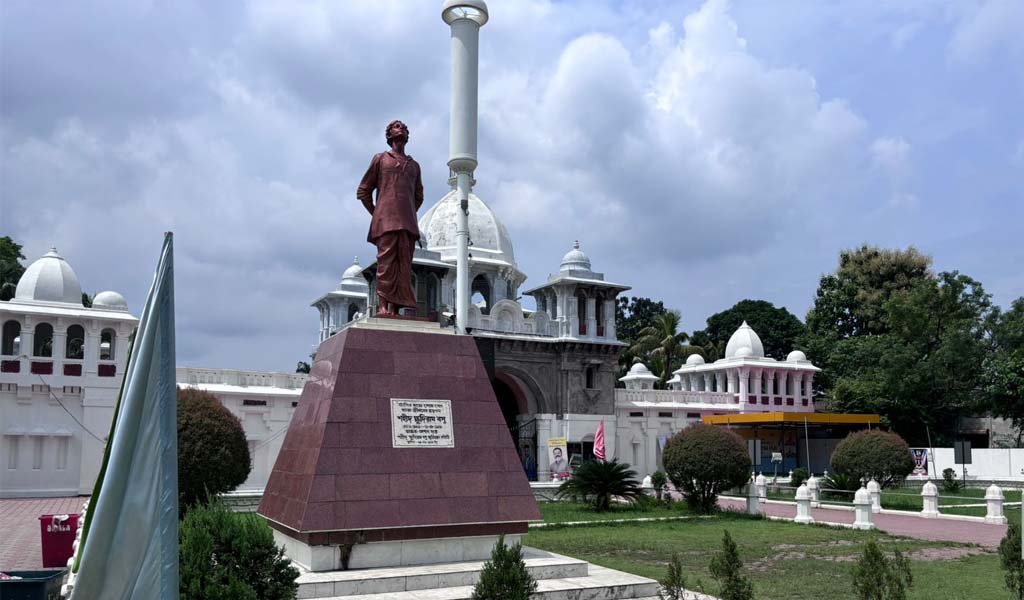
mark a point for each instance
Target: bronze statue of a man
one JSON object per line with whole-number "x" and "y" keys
{"x": 393, "y": 229}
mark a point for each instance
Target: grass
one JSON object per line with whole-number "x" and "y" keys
{"x": 784, "y": 560}
{"x": 567, "y": 512}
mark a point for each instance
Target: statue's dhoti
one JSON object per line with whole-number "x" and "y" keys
{"x": 394, "y": 268}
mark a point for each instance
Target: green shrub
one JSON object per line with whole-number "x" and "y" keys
{"x": 841, "y": 483}
{"x": 597, "y": 482}
{"x": 704, "y": 460}
{"x": 504, "y": 576}
{"x": 673, "y": 586}
{"x": 881, "y": 455}
{"x": 876, "y": 577}
{"x": 659, "y": 480}
{"x": 950, "y": 484}
{"x": 213, "y": 456}
{"x": 1009, "y": 558}
{"x": 726, "y": 568}
{"x": 800, "y": 475}
{"x": 232, "y": 556}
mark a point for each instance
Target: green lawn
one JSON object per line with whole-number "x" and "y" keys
{"x": 784, "y": 560}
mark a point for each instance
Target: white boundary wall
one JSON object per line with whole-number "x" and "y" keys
{"x": 986, "y": 463}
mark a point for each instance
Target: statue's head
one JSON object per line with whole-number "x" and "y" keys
{"x": 397, "y": 130}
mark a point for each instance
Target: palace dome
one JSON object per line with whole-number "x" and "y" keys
{"x": 489, "y": 237}
{"x": 746, "y": 340}
{"x": 575, "y": 260}
{"x": 110, "y": 301}
{"x": 49, "y": 279}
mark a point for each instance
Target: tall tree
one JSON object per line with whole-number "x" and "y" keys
{"x": 778, "y": 328}
{"x": 664, "y": 340}
{"x": 632, "y": 315}
{"x": 11, "y": 268}
{"x": 1004, "y": 366}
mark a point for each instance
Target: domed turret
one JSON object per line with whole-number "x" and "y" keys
{"x": 639, "y": 378}
{"x": 695, "y": 359}
{"x": 575, "y": 260}
{"x": 488, "y": 234}
{"x": 49, "y": 279}
{"x": 744, "y": 343}
{"x": 110, "y": 301}
{"x": 354, "y": 273}
{"x": 796, "y": 356}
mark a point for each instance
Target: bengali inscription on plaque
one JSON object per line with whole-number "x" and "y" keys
{"x": 421, "y": 423}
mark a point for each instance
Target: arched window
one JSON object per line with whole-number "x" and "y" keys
{"x": 74, "y": 346}
{"x": 43, "y": 344}
{"x": 480, "y": 294}
{"x": 11, "y": 339}
{"x": 107, "y": 340}
{"x": 591, "y": 377}
{"x": 581, "y": 312}
{"x": 352, "y": 310}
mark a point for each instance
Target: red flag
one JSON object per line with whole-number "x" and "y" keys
{"x": 599, "y": 453}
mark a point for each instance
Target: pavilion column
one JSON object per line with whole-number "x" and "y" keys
{"x": 809, "y": 389}
{"x": 770, "y": 386}
{"x": 755, "y": 385}
{"x": 609, "y": 319}
{"x": 592, "y": 317}
{"x": 731, "y": 382}
{"x": 719, "y": 381}
{"x": 783, "y": 377}
{"x": 573, "y": 313}
{"x": 796, "y": 378}
{"x": 744, "y": 386}
{"x": 707, "y": 382}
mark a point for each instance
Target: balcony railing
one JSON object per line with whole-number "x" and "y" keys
{"x": 678, "y": 396}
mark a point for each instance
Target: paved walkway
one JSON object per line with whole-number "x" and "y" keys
{"x": 944, "y": 530}
{"x": 20, "y": 540}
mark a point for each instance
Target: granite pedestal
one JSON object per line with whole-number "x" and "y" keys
{"x": 397, "y": 454}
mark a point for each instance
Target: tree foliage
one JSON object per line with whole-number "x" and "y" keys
{"x": 893, "y": 338}
{"x": 778, "y": 328}
{"x": 877, "y": 577}
{"x": 702, "y": 461}
{"x": 504, "y": 576}
{"x": 597, "y": 482}
{"x": 881, "y": 455}
{"x": 1004, "y": 366}
{"x": 634, "y": 314}
{"x": 232, "y": 556}
{"x": 302, "y": 367}
{"x": 727, "y": 568}
{"x": 11, "y": 268}
{"x": 213, "y": 456}
{"x": 663, "y": 341}
{"x": 673, "y": 586}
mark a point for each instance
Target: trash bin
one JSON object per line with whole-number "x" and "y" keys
{"x": 58, "y": 534}
{"x": 32, "y": 585}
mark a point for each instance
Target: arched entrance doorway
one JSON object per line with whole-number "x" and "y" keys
{"x": 514, "y": 398}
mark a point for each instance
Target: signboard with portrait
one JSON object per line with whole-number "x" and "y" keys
{"x": 421, "y": 423}
{"x": 558, "y": 459}
{"x": 920, "y": 461}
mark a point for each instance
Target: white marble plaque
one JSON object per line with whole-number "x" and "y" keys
{"x": 421, "y": 423}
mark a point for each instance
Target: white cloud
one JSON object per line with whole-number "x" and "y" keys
{"x": 992, "y": 26}
{"x": 891, "y": 153}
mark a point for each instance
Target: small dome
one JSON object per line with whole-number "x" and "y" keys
{"x": 863, "y": 496}
{"x": 796, "y": 356}
{"x": 746, "y": 339}
{"x": 50, "y": 279}
{"x": 695, "y": 359}
{"x": 354, "y": 274}
{"x": 575, "y": 259}
{"x": 110, "y": 301}
{"x": 639, "y": 369}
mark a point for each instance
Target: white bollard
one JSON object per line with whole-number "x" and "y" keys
{"x": 803, "y": 505}
{"x": 862, "y": 504}
{"x": 762, "y": 487}
{"x": 876, "y": 495}
{"x": 930, "y": 499}
{"x": 753, "y": 501}
{"x": 994, "y": 500}
{"x": 814, "y": 486}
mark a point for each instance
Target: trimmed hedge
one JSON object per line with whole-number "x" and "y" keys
{"x": 213, "y": 456}
{"x": 878, "y": 454}
{"x": 704, "y": 460}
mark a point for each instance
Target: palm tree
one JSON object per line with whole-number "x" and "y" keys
{"x": 664, "y": 340}
{"x": 598, "y": 482}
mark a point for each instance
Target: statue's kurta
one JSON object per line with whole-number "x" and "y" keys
{"x": 393, "y": 228}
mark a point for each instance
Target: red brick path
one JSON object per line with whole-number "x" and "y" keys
{"x": 946, "y": 530}
{"x": 20, "y": 543}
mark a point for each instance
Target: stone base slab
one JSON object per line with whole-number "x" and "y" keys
{"x": 558, "y": 577}
{"x": 399, "y": 553}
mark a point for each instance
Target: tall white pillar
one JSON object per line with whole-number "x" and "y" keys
{"x": 707, "y": 382}
{"x": 591, "y": 317}
{"x": 744, "y": 386}
{"x": 609, "y": 319}
{"x": 465, "y": 18}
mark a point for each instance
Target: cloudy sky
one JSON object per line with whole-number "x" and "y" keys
{"x": 701, "y": 152}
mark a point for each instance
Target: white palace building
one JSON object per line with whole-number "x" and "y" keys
{"x": 553, "y": 369}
